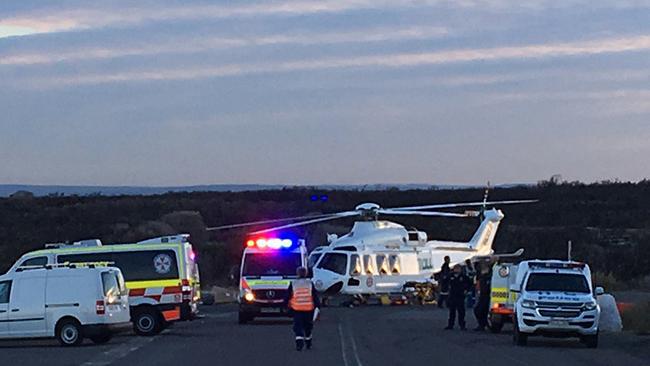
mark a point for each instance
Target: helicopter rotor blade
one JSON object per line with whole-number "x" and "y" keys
{"x": 466, "y": 204}
{"x": 262, "y": 222}
{"x": 339, "y": 215}
{"x": 422, "y": 213}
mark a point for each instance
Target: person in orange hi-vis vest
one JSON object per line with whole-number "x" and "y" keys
{"x": 303, "y": 303}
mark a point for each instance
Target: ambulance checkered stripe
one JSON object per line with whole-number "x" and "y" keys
{"x": 162, "y": 295}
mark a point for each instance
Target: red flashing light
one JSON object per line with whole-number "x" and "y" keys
{"x": 270, "y": 243}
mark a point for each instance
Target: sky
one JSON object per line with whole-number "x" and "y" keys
{"x": 323, "y": 92}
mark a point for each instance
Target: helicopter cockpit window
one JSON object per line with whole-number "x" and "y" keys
{"x": 335, "y": 262}
{"x": 355, "y": 265}
{"x": 394, "y": 264}
{"x": 368, "y": 265}
{"x": 313, "y": 259}
{"x": 382, "y": 264}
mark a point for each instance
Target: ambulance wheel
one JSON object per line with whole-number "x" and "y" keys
{"x": 591, "y": 341}
{"x": 519, "y": 338}
{"x": 101, "y": 339}
{"x": 68, "y": 333}
{"x": 244, "y": 317}
{"x": 147, "y": 322}
{"x": 495, "y": 323}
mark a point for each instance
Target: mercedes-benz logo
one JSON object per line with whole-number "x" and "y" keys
{"x": 270, "y": 294}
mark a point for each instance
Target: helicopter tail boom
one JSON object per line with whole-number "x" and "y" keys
{"x": 484, "y": 236}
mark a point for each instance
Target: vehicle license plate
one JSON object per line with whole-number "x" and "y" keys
{"x": 270, "y": 310}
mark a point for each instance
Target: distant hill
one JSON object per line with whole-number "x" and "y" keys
{"x": 7, "y": 190}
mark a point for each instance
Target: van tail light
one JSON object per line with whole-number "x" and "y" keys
{"x": 186, "y": 290}
{"x": 100, "y": 308}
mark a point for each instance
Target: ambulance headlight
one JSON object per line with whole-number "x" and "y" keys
{"x": 248, "y": 296}
{"x": 591, "y": 305}
{"x": 528, "y": 304}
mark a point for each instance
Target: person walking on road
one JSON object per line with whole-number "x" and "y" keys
{"x": 303, "y": 303}
{"x": 458, "y": 286}
{"x": 443, "y": 279}
{"x": 484, "y": 281}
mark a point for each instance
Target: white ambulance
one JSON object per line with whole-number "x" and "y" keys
{"x": 64, "y": 302}
{"x": 267, "y": 267}
{"x": 555, "y": 299}
{"x": 162, "y": 275}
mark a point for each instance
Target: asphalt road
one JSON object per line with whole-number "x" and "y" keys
{"x": 401, "y": 335}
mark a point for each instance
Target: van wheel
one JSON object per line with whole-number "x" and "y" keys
{"x": 101, "y": 339}
{"x": 519, "y": 338}
{"x": 68, "y": 333}
{"x": 147, "y": 322}
{"x": 495, "y": 323}
{"x": 591, "y": 341}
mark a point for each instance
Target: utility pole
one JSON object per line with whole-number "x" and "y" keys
{"x": 569, "y": 250}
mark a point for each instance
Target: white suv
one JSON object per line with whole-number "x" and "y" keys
{"x": 67, "y": 303}
{"x": 555, "y": 299}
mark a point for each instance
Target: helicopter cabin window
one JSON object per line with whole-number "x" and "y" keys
{"x": 335, "y": 262}
{"x": 355, "y": 265}
{"x": 367, "y": 264}
{"x": 382, "y": 264}
{"x": 393, "y": 261}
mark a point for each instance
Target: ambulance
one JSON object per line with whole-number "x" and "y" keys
{"x": 502, "y": 300}
{"x": 267, "y": 267}
{"x": 161, "y": 274}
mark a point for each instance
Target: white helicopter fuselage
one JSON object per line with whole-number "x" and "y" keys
{"x": 379, "y": 257}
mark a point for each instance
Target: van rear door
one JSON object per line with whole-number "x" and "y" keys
{"x": 26, "y": 315}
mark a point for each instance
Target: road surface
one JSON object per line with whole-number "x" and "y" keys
{"x": 400, "y": 335}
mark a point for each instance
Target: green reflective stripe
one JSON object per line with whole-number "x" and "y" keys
{"x": 268, "y": 282}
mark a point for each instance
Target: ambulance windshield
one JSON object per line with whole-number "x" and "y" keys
{"x": 271, "y": 264}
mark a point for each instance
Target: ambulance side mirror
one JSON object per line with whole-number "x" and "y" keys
{"x": 515, "y": 288}
{"x": 600, "y": 291}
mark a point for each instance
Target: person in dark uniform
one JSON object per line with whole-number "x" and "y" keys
{"x": 470, "y": 271}
{"x": 302, "y": 300}
{"x": 458, "y": 286}
{"x": 482, "y": 308}
{"x": 443, "y": 278}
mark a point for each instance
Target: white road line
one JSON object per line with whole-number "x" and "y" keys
{"x": 354, "y": 349}
{"x": 353, "y": 343}
{"x": 342, "y": 338}
{"x": 117, "y": 353}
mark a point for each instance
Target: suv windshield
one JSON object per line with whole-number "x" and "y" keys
{"x": 271, "y": 264}
{"x": 557, "y": 282}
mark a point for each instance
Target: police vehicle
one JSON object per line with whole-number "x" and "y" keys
{"x": 555, "y": 299}
{"x": 267, "y": 267}
{"x": 161, "y": 274}
{"x": 68, "y": 303}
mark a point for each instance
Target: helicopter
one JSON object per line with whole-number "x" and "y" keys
{"x": 378, "y": 256}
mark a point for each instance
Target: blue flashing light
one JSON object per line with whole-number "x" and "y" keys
{"x": 324, "y": 198}
{"x": 270, "y": 243}
{"x": 314, "y": 197}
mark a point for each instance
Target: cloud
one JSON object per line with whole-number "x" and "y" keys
{"x": 49, "y": 21}
{"x": 401, "y": 60}
{"x": 180, "y": 46}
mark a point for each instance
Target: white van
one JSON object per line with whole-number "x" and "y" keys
{"x": 64, "y": 302}
{"x": 556, "y": 299}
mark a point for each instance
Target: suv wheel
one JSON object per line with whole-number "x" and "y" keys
{"x": 68, "y": 333}
{"x": 519, "y": 338}
{"x": 591, "y": 341}
{"x": 147, "y": 322}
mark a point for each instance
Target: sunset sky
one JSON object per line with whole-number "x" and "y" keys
{"x": 301, "y": 92}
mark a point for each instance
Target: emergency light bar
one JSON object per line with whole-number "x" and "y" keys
{"x": 270, "y": 243}
{"x": 558, "y": 265}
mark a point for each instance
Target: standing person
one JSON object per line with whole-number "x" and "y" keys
{"x": 470, "y": 272}
{"x": 443, "y": 277}
{"x": 458, "y": 286}
{"x": 303, "y": 301}
{"x": 484, "y": 284}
